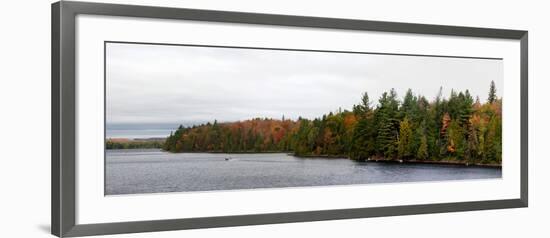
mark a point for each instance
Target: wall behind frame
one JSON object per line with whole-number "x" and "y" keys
{"x": 25, "y": 120}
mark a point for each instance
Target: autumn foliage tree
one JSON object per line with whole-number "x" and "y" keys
{"x": 405, "y": 140}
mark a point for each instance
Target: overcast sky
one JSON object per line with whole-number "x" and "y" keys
{"x": 184, "y": 84}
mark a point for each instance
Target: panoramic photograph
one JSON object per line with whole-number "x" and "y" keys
{"x": 188, "y": 118}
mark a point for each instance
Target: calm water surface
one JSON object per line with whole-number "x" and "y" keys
{"x": 154, "y": 171}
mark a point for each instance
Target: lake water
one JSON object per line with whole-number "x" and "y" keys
{"x": 155, "y": 171}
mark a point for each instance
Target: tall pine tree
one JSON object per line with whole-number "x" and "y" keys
{"x": 492, "y": 93}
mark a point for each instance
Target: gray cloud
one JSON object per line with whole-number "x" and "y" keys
{"x": 181, "y": 84}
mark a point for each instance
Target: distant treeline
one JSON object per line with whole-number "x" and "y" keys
{"x": 445, "y": 129}
{"x": 133, "y": 144}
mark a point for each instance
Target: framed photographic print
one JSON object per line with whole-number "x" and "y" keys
{"x": 168, "y": 118}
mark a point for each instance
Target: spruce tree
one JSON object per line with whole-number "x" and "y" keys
{"x": 492, "y": 93}
{"x": 364, "y": 138}
{"x": 387, "y": 124}
{"x": 363, "y": 107}
{"x": 409, "y": 107}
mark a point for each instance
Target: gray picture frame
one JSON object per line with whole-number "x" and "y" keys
{"x": 63, "y": 207}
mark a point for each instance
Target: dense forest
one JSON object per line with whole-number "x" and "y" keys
{"x": 454, "y": 128}
{"x": 111, "y": 144}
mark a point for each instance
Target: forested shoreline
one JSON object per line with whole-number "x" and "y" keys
{"x": 453, "y": 128}
{"x": 117, "y": 144}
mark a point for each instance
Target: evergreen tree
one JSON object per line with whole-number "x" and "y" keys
{"x": 492, "y": 93}
{"x": 409, "y": 107}
{"x": 364, "y": 138}
{"x": 364, "y": 107}
{"x": 387, "y": 124}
